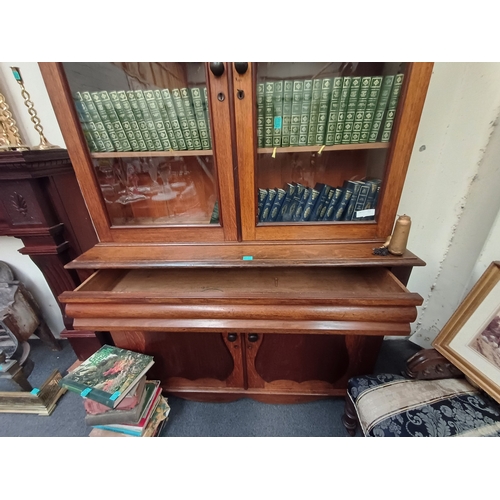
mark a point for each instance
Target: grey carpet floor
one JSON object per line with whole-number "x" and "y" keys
{"x": 244, "y": 417}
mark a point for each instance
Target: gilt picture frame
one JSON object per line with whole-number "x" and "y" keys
{"x": 471, "y": 338}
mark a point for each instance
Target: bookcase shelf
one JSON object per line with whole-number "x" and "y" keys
{"x": 317, "y": 149}
{"x": 159, "y": 154}
{"x": 282, "y": 312}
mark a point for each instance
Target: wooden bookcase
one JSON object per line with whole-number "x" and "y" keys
{"x": 230, "y": 306}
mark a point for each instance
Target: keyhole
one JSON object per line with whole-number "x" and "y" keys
{"x": 240, "y": 94}
{"x": 221, "y": 96}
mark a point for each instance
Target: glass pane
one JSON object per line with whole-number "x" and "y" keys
{"x": 147, "y": 127}
{"x": 323, "y": 135}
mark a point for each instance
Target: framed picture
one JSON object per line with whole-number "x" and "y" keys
{"x": 471, "y": 338}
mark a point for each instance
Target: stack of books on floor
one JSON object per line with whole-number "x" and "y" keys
{"x": 327, "y": 111}
{"x": 118, "y": 398}
{"x": 354, "y": 201}
{"x": 145, "y": 120}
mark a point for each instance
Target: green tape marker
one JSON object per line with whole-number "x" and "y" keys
{"x": 247, "y": 257}
{"x": 35, "y": 391}
{"x": 85, "y": 392}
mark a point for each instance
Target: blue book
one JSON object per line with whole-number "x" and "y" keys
{"x": 334, "y": 199}
{"x": 290, "y": 189}
{"x": 324, "y": 190}
{"x": 310, "y": 205}
{"x": 296, "y": 199}
{"x": 276, "y": 207}
{"x": 349, "y": 210}
{"x": 262, "y": 198}
{"x": 297, "y": 216}
{"x": 341, "y": 207}
{"x": 268, "y": 203}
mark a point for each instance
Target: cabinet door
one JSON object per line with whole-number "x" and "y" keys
{"x": 190, "y": 364}
{"x": 151, "y": 147}
{"x": 303, "y": 367}
{"x": 323, "y": 148}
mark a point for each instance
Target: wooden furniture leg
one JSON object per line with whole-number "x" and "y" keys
{"x": 350, "y": 418}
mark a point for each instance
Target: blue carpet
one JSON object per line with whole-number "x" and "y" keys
{"x": 187, "y": 418}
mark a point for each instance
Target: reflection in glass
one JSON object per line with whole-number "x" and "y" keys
{"x": 158, "y": 190}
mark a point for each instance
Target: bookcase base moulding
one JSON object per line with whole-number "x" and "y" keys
{"x": 275, "y": 334}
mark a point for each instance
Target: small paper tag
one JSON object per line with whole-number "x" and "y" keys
{"x": 35, "y": 391}
{"x": 365, "y": 213}
{"x": 85, "y": 392}
{"x": 247, "y": 257}
{"x": 115, "y": 396}
{"x": 277, "y": 122}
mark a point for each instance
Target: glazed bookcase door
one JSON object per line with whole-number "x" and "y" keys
{"x": 323, "y": 148}
{"x": 149, "y": 145}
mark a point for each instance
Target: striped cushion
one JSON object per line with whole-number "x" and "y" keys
{"x": 390, "y": 405}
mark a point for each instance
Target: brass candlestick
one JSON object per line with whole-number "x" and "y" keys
{"x": 44, "y": 143}
{"x": 10, "y": 137}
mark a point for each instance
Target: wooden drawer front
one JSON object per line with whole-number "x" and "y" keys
{"x": 307, "y": 300}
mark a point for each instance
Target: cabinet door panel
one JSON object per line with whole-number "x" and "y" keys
{"x": 317, "y": 365}
{"x": 188, "y": 361}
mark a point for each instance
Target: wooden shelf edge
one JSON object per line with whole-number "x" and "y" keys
{"x": 317, "y": 149}
{"x": 347, "y": 254}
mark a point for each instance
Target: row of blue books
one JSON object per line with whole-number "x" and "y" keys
{"x": 354, "y": 201}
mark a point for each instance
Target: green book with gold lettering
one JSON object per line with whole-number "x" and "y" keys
{"x": 371, "y": 106}
{"x": 159, "y": 143}
{"x": 287, "y": 112}
{"x": 361, "y": 109}
{"x": 313, "y": 116}
{"x": 297, "y": 96}
{"x": 201, "y": 120}
{"x": 344, "y": 96}
{"x": 191, "y": 118}
{"x": 207, "y": 115}
{"x": 141, "y": 122}
{"x": 333, "y": 111}
{"x": 166, "y": 119}
{"x": 122, "y": 116}
{"x": 131, "y": 118}
{"x": 181, "y": 116}
{"x": 385, "y": 93}
{"x": 268, "y": 114}
{"x": 277, "y": 113}
{"x": 260, "y": 116}
{"x": 305, "y": 112}
{"x": 154, "y": 111}
{"x": 88, "y": 127}
{"x": 174, "y": 120}
{"x": 351, "y": 109}
{"x": 97, "y": 120}
{"x": 392, "y": 107}
{"x": 115, "y": 121}
{"x": 96, "y": 99}
{"x": 324, "y": 107}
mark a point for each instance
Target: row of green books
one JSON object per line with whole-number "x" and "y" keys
{"x": 149, "y": 120}
{"x": 355, "y": 200}
{"x": 327, "y": 111}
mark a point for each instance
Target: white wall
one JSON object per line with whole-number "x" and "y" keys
{"x": 450, "y": 190}
{"x": 451, "y": 187}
